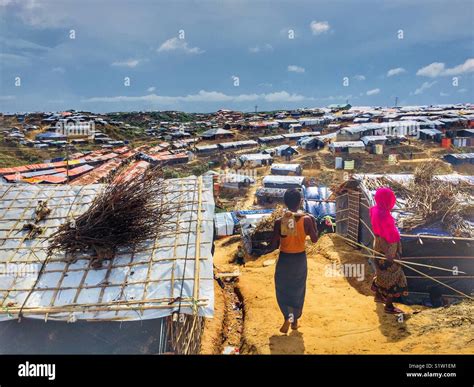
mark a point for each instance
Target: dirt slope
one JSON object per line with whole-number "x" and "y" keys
{"x": 340, "y": 316}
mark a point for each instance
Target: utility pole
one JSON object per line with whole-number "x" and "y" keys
{"x": 396, "y": 101}
{"x": 256, "y": 106}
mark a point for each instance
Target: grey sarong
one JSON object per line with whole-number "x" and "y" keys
{"x": 290, "y": 283}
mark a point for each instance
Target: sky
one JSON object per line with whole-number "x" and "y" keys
{"x": 201, "y": 56}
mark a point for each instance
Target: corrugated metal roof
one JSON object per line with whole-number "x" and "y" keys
{"x": 134, "y": 170}
{"x": 80, "y": 170}
{"x": 431, "y": 132}
{"x": 215, "y": 132}
{"x": 367, "y": 139}
{"x": 301, "y": 134}
{"x": 347, "y": 144}
{"x": 271, "y": 138}
{"x": 286, "y": 167}
{"x": 206, "y": 147}
{"x": 98, "y": 173}
{"x": 60, "y": 178}
{"x": 273, "y": 192}
{"x": 282, "y": 180}
{"x": 255, "y": 157}
{"x": 237, "y": 144}
{"x": 462, "y": 155}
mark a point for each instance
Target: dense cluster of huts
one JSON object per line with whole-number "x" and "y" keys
{"x": 345, "y": 129}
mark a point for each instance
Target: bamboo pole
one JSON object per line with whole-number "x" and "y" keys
{"x": 438, "y": 276}
{"x": 412, "y": 263}
{"x": 197, "y": 262}
{"x": 83, "y": 308}
{"x": 443, "y": 257}
{"x": 412, "y": 268}
{"x": 90, "y": 309}
{"x": 441, "y": 283}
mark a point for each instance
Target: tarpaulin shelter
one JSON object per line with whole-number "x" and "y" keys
{"x": 277, "y": 181}
{"x": 165, "y": 284}
{"x": 460, "y": 158}
{"x": 224, "y": 224}
{"x": 318, "y": 202}
{"x": 286, "y": 169}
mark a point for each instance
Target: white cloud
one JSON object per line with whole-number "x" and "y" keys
{"x": 127, "y": 63}
{"x": 464, "y": 68}
{"x": 7, "y": 97}
{"x": 336, "y": 98}
{"x": 59, "y": 70}
{"x": 462, "y": 90}
{"x": 175, "y": 44}
{"x": 295, "y": 69}
{"x": 423, "y": 87}
{"x": 204, "y": 96}
{"x": 432, "y": 70}
{"x": 151, "y": 89}
{"x": 373, "y": 92}
{"x": 437, "y": 69}
{"x": 443, "y": 94}
{"x": 265, "y": 48}
{"x": 359, "y": 77}
{"x": 283, "y": 96}
{"x": 395, "y": 71}
{"x": 319, "y": 27}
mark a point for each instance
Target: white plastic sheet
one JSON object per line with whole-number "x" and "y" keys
{"x": 145, "y": 279}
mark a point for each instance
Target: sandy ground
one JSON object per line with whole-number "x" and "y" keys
{"x": 340, "y": 316}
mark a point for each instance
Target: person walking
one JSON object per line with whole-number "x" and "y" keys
{"x": 289, "y": 235}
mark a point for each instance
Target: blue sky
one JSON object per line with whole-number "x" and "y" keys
{"x": 140, "y": 39}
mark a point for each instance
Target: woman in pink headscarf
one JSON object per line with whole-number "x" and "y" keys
{"x": 390, "y": 281}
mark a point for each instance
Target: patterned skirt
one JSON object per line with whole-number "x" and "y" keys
{"x": 389, "y": 280}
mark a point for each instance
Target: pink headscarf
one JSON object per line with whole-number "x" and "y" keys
{"x": 383, "y": 224}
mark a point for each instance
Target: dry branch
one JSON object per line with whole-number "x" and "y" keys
{"x": 125, "y": 213}
{"x": 267, "y": 222}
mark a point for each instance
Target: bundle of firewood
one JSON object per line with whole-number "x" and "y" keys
{"x": 267, "y": 222}
{"x": 125, "y": 213}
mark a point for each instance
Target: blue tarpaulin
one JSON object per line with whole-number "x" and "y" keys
{"x": 320, "y": 209}
{"x": 317, "y": 193}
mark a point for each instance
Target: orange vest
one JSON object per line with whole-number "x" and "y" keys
{"x": 294, "y": 243}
